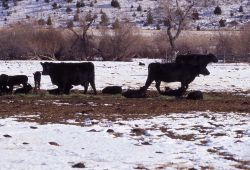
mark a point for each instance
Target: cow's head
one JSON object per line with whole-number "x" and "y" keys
{"x": 212, "y": 58}
{"x": 204, "y": 71}
{"x": 46, "y": 68}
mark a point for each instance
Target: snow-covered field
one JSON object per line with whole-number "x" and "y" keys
{"x": 177, "y": 141}
{"x": 222, "y": 78}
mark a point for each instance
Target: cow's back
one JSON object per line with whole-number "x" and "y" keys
{"x": 71, "y": 73}
{"x": 17, "y": 79}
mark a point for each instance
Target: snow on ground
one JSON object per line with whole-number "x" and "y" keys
{"x": 182, "y": 140}
{"x": 223, "y": 77}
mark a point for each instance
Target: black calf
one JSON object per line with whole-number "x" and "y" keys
{"x": 112, "y": 90}
{"x": 25, "y": 89}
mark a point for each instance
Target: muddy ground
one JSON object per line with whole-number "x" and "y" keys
{"x": 59, "y": 109}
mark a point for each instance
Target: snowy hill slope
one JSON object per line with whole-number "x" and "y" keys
{"x": 62, "y": 11}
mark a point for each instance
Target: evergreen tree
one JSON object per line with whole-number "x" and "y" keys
{"x": 49, "y": 21}
{"x": 217, "y": 11}
{"x": 104, "y": 19}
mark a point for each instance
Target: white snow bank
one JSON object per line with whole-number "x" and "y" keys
{"x": 214, "y": 140}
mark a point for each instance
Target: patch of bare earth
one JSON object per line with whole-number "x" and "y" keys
{"x": 77, "y": 106}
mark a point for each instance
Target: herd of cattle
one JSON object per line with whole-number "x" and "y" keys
{"x": 65, "y": 75}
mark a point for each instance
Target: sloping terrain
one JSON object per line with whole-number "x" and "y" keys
{"x": 33, "y": 10}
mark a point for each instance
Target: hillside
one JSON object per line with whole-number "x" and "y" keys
{"x": 63, "y": 11}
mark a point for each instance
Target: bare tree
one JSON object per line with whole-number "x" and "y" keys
{"x": 82, "y": 45}
{"x": 175, "y": 16}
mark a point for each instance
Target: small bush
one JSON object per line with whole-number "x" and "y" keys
{"x": 104, "y": 19}
{"x": 116, "y": 24}
{"x": 54, "y": 5}
{"x": 115, "y": 4}
{"x": 241, "y": 9}
{"x": 150, "y": 18}
{"x": 217, "y": 11}
{"x": 195, "y": 15}
{"x": 41, "y": 22}
{"x": 68, "y": 9}
{"x": 76, "y": 17}
{"x": 139, "y": 8}
{"x": 80, "y": 4}
{"x": 49, "y": 21}
{"x": 222, "y": 23}
{"x": 70, "y": 24}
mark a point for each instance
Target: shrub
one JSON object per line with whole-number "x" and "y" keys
{"x": 49, "y": 21}
{"x": 41, "y": 22}
{"x": 68, "y": 9}
{"x": 76, "y": 17}
{"x": 70, "y": 24}
{"x": 116, "y": 24}
{"x": 217, "y": 11}
{"x": 54, "y": 5}
{"x": 80, "y": 4}
{"x": 115, "y": 4}
{"x": 139, "y": 8}
{"x": 222, "y": 23}
{"x": 150, "y": 18}
{"x": 195, "y": 15}
{"x": 241, "y": 9}
{"x": 104, "y": 19}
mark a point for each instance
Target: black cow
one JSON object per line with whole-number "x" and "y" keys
{"x": 3, "y": 83}
{"x": 37, "y": 79}
{"x": 25, "y": 89}
{"x": 17, "y": 80}
{"x": 173, "y": 72}
{"x": 196, "y": 59}
{"x": 64, "y": 75}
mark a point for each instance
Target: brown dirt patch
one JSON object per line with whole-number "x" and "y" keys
{"x": 77, "y": 106}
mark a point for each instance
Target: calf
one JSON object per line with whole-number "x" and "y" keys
{"x": 195, "y": 95}
{"x": 37, "y": 79}
{"x": 138, "y": 93}
{"x": 112, "y": 90}
{"x": 17, "y": 80}
{"x": 25, "y": 89}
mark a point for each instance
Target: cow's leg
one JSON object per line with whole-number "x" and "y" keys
{"x": 148, "y": 83}
{"x": 157, "y": 85}
{"x": 85, "y": 85}
{"x": 92, "y": 83}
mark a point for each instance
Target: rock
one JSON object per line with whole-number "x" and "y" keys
{"x": 79, "y": 165}
{"x": 54, "y": 143}
{"x": 195, "y": 95}
{"x": 7, "y": 136}
{"x": 110, "y": 131}
{"x": 138, "y": 131}
{"x": 141, "y": 64}
{"x": 146, "y": 143}
{"x": 33, "y": 127}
